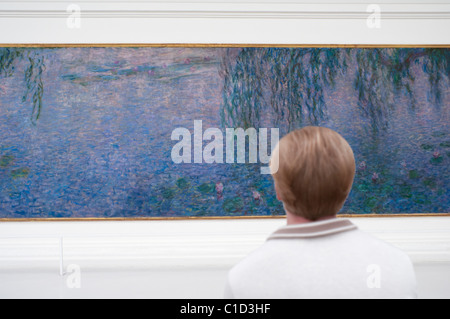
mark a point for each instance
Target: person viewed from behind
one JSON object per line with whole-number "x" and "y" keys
{"x": 317, "y": 255}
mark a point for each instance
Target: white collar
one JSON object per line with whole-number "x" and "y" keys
{"x": 313, "y": 229}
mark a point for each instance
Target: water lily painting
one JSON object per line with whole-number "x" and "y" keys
{"x": 87, "y": 132}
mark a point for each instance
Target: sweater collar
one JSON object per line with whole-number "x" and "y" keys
{"x": 313, "y": 229}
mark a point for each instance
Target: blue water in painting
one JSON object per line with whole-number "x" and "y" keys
{"x": 101, "y": 146}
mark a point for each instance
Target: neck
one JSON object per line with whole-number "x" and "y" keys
{"x": 294, "y": 219}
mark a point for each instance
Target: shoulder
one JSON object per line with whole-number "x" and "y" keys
{"x": 257, "y": 259}
{"x": 363, "y": 247}
{"x": 392, "y": 264}
{"x": 252, "y": 268}
{"x": 373, "y": 245}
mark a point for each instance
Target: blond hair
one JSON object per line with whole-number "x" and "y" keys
{"x": 315, "y": 167}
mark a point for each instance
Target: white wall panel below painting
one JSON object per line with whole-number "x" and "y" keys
{"x": 188, "y": 243}
{"x": 175, "y": 243}
{"x": 192, "y": 283}
{"x": 185, "y": 259}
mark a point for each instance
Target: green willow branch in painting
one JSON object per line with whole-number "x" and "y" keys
{"x": 291, "y": 83}
{"x": 34, "y": 86}
{"x": 288, "y": 83}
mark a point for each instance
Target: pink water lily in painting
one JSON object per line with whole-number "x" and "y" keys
{"x": 362, "y": 166}
{"x": 256, "y": 195}
{"x": 375, "y": 177}
{"x": 219, "y": 190}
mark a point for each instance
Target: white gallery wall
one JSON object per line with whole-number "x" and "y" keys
{"x": 190, "y": 258}
{"x": 215, "y": 21}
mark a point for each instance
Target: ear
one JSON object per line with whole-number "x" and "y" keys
{"x": 278, "y": 193}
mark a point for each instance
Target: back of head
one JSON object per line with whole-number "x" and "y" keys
{"x": 315, "y": 171}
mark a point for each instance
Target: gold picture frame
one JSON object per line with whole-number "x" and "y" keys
{"x": 212, "y": 45}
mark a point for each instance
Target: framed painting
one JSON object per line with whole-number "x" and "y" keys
{"x": 94, "y": 132}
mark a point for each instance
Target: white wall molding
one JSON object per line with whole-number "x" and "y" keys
{"x": 175, "y": 14}
{"x": 223, "y": 10}
{"x": 166, "y": 245}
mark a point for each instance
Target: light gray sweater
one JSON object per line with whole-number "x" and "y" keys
{"x": 323, "y": 260}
